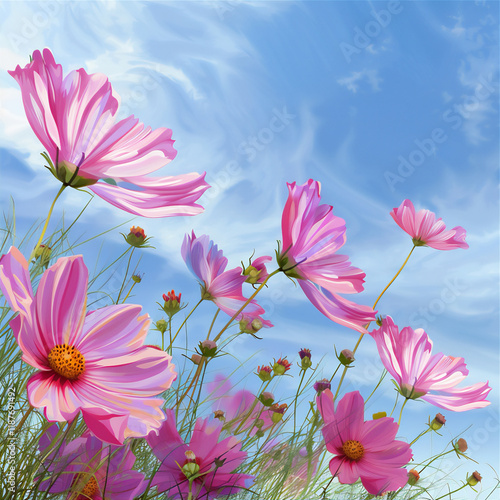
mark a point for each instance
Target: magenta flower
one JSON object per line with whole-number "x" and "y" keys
{"x": 425, "y": 229}
{"x": 406, "y": 355}
{"x": 90, "y": 469}
{"x": 73, "y": 117}
{"x": 312, "y": 235}
{"x": 205, "y": 462}
{"x": 224, "y": 288}
{"x": 365, "y": 450}
{"x": 93, "y": 362}
{"x": 237, "y": 406}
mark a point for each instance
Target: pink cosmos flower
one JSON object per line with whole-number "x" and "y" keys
{"x": 224, "y": 288}
{"x": 303, "y": 469}
{"x": 365, "y": 450}
{"x": 206, "y": 462}
{"x": 93, "y": 362}
{"x": 425, "y": 229}
{"x": 73, "y": 117}
{"x": 90, "y": 467}
{"x": 312, "y": 235}
{"x": 237, "y": 405}
{"x": 406, "y": 355}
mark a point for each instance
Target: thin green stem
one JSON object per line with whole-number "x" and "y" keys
{"x": 183, "y": 323}
{"x": 451, "y": 492}
{"x": 366, "y": 327}
{"x": 127, "y": 296}
{"x": 401, "y": 412}
{"x": 295, "y": 404}
{"x": 25, "y": 416}
{"x": 125, "y": 277}
{"x": 44, "y": 229}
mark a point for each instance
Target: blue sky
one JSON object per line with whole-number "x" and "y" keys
{"x": 380, "y": 101}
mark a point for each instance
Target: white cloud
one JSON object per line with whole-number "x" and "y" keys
{"x": 353, "y": 82}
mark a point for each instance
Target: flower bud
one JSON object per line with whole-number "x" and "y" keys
{"x": 136, "y": 237}
{"x": 253, "y": 275}
{"x": 171, "y": 303}
{"x": 266, "y": 398}
{"x": 461, "y": 445}
{"x": 322, "y": 385}
{"x": 278, "y": 412}
{"x": 438, "y": 422}
{"x": 281, "y": 366}
{"x": 219, "y": 414}
{"x": 259, "y": 423}
{"x": 137, "y": 278}
{"x": 208, "y": 348}
{"x": 219, "y": 462}
{"x": 264, "y": 373}
{"x": 248, "y": 325}
{"x": 474, "y": 478}
{"x": 259, "y": 434}
{"x": 379, "y": 320}
{"x": 161, "y": 325}
{"x": 196, "y": 359}
{"x": 413, "y": 477}
{"x": 346, "y": 357}
{"x": 43, "y": 253}
{"x": 305, "y": 357}
{"x": 380, "y": 414}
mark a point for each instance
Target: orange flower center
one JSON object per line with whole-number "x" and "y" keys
{"x": 66, "y": 361}
{"x": 91, "y": 488}
{"x": 353, "y": 450}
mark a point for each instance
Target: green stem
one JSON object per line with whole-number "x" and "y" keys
{"x": 252, "y": 408}
{"x": 126, "y": 296}
{"x": 63, "y": 187}
{"x": 434, "y": 459}
{"x": 401, "y": 412}
{"x": 183, "y": 323}
{"x": 295, "y": 404}
{"x": 451, "y": 492}
{"x": 125, "y": 277}
{"x": 366, "y": 327}
{"x": 25, "y": 416}
{"x": 420, "y": 435}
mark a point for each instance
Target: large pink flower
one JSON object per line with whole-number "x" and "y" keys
{"x": 206, "y": 461}
{"x": 224, "y": 288}
{"x": 425, "y": 229}
{"x": 237, "y": 405}
{"x": 90, "y": 467}
{"x": 312, "y": 235}
{"x": 93, "y": 362}
{"x": 366, "y": 450}
{"x": 73, "y": 117}
{"x": 406, "y": 355}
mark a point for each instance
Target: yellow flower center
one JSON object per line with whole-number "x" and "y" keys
{"x": 66, "y": 361}
{"x": 91, "y": 488}
{"x": 353, "y": 450}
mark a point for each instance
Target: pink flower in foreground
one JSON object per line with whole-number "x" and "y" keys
{"x": 365, "y": 450}
{"x": 93, "y": 362}
{"x": 237, "y": 405}
{"x": 208, "y": 463}
{"x": 406, "y": 355}
{"x": 89, "y": 467}
{"x": 312, "y": 235}
{"x": 73, "y": 117}
{"x": 224, "y": 288}
{"x": 425, "y": 229}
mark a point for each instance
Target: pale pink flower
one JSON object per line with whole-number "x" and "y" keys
{"x": 406, "y": 355}
{"x": 425, "y": 229}
{"x": 73, "y": 117}
{"x": 366, "y": 450}
{"x": 94, "y": 362}
{"x": 312, "y": 235}
{"x": 224, "y": 288}
{"x": 236, "y": 406}
{"x": 208, "y": 462}
{"x": 90, "y": 467}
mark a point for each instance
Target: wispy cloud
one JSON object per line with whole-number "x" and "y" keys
{"x": 357, "y": 78}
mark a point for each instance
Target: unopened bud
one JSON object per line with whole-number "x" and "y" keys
{"x": 266, "y": 398}
{"x": 281, "y": 366}
{"x": 137, "y": 278}
{"x": 220, "y": 415}
{"x": 438, "y": 422}
{"x": 413, "y": 477}
{"x": 305, "y": 358}
{"x": 346, "y": 357}
{"x": 259, "y": 434}
{"x": 208, "y": 348}
{"x": 278, "y": 412}
{"x": 259, "y": 423}
{"x": 43, "y": 253}
{"x": 196, "y": 359}
{"x": 161, "y": 325}
{"x": 265, "y": 373}
{"x": 322, "y": 385}
{"x": 461, "y": 445}
{"x": 136, "y": 237}
{"x": 474, "y": 478}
